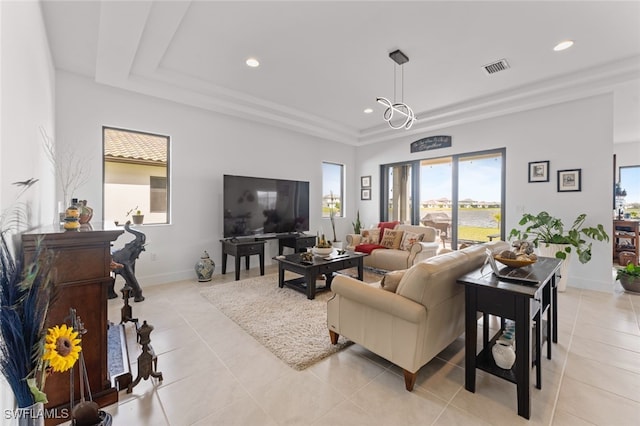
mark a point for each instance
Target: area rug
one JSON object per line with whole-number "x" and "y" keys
{"x": 283, "y": 320}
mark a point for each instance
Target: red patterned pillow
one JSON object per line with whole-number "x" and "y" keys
{"x": 387, "y": 225}
{"x": 368, "y": 248}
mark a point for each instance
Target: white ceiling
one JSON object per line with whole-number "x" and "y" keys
{"x": 323, "y": 63}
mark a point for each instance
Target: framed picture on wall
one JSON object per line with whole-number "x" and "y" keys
{"x": 365, "y": 194}
{"x": 570, "y": 180}
{"x": 365, "y": 181}
{"x": 539, "y": 171}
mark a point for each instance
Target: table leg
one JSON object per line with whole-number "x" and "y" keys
{"x": 280, "y": 275}
{"x": 224, "y": 263}
{"x": 310, "y": 276}
{"x": 360, "y": 269}
{"x": 537, "y": 338}
{"x": 523, "y": 356}
{"x": 280, "y": 247}
{"x": 246, "y": 259}
{"x": 554, "y": 308}
{"x": 237, "y": 258}
{"x": 470, "y": 337}
{"x": 261, "y": 263}
{"x": 485, "y": 330}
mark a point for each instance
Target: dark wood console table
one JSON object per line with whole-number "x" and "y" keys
{"x": 523, "y": 303}
{"x": 242, "y": 248}
{"x": 82, "y": 278}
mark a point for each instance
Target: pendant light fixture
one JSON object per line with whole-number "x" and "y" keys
{"x": 398, "y": 107}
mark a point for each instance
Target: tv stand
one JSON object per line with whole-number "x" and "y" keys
{"x": 242, "y": 248}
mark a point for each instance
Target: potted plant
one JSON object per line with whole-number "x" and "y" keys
{"x": 549, "y": 235}
{"x": 629, "y": 277}
{"x": 137, "y": 218}
{"x": 357, "y": 226}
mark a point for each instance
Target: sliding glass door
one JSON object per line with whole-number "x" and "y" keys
{"x": 462, "y": 195}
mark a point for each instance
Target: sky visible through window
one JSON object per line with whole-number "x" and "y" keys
{"x": 478, "y": 180}
{"x": 630, "y": 182}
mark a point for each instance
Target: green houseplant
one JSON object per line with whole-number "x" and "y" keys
{"x": 546, "y": 229}
{"x": 357, "y": 226}
{"x": 629, "y": 277}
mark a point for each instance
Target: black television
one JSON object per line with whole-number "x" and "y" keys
{"x": 256, "y": 206}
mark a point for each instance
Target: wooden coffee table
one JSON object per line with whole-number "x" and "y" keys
{"x": 310, "y": 271}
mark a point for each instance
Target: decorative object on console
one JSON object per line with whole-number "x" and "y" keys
{"x": 503, "y": 355}
{"x": 570, "y": 180}
{"x": 539, "y": 171}
{"x": 72, "y": 216}
{"x": 400, "y": 107}
{"x": 126, "y": 257}
{"x": 137, "y": 218}
{"x": 547, "y": 233}
{"x": 205, "y": 267}
{"x": 86, "y": 212}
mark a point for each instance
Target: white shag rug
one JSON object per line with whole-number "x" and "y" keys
{"x": 283, "y": 320}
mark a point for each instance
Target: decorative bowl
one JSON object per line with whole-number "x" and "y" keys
{"x": 322, "y": 251}
{"x": 514, "y": 263}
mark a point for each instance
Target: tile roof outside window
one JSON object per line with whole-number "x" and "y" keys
{"x": 135, "y": 146}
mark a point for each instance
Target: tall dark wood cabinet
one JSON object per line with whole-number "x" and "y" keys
{"x": 81, "y": 276}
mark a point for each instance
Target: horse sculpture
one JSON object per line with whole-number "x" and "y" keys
{"x": 124, "y": 263}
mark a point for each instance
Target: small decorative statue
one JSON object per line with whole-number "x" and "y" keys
{"x": 126, "y": 257}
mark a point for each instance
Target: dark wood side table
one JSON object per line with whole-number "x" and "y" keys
{"x": 523, "y": 303}
{"x": 242, "y": 248}
{"x": 298, "y": 243}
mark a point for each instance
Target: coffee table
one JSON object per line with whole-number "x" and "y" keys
{"x": 311, "y": 270}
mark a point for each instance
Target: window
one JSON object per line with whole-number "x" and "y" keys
{"x": 630, "y": 182}
{"x": 332, "y": 189}
{"x": 462, "y": 196}
{"x": 136, "y": 175}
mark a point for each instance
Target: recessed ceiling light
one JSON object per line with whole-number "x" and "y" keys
{"x": 563, "y": 45}
{"x": 368, "y": 110}
{"x": 252, "y": 62}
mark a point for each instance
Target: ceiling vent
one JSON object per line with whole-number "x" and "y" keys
{"x": 495, "y": 67}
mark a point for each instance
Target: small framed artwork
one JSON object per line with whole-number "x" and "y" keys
{"x": 365, "y": 181}
{"x": 365, "y": 194}
{"x": 570, "y": 180}
{"x": 539, "y": 171}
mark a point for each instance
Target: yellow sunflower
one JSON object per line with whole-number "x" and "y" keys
{"x": 61, "y": 348}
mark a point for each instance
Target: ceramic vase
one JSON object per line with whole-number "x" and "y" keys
{"x": 503, "y": 355}
{"x": 205, "y": 267}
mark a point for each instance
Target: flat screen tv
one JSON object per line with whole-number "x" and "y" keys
{"x": 259, "y": 206}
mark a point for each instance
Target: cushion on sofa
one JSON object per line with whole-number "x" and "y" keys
{"x": 387, "y": 225}
{"x": 391, "y": 280}
{"x": 391, "y": 238}
{"x": 368, "y": 248}
{"x": 409, "y": 239}
{"x": 370, "y": 236}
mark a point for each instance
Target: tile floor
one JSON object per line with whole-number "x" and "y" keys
{"x": 216, "y": 374}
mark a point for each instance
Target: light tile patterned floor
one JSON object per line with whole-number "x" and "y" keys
{"x": 216, "y": 374}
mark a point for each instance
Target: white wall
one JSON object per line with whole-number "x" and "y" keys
{"x": 26, "y": 102}
{"x": 204, "y": 147}
{"x": 627, "y": 154}
{"x": 27, "y": 88}
{"x": 573, "y": 135}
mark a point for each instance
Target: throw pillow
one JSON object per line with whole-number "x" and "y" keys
{"x": 370, "y": 236}
{"x": 391, "y": 238}
{"x": 409, "y": 239}
{"x": 387, "y": 225}
{"x": 368, "y": 248}
{"x": 391, "y": 280}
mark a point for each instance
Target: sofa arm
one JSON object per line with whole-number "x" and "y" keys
{"x": 352, "y": 241}
{"x": 421, "y": 251}
{"x": 378, "y": 299}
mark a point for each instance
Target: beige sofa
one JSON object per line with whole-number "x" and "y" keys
{"x": 416, "y": 322}
{"x": 395, "y": 259}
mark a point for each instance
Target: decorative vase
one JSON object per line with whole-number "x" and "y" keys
{"x": 631, "y": 284}
{"x": 86, "y": 212}
{"x": 550, "y": 251}
{"x": 322, "y": 251}
{"x": 503, "y": 355}
{"x": 205, "y": 267}
{"x": 32, "y": 415}
{"x": 72, "y": 218}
